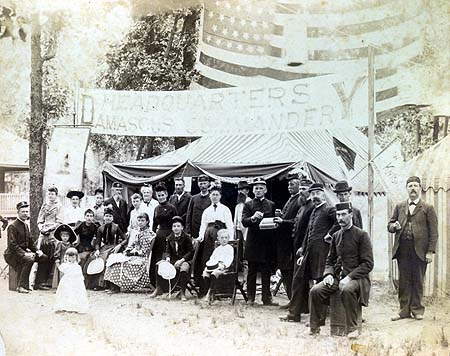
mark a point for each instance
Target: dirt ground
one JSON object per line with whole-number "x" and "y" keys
{"x": 133, "y": 324}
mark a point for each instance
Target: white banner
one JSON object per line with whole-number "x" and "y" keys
{"x": 311, "y": 103}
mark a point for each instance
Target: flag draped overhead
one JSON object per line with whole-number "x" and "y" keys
{"x": 250, "y": 41}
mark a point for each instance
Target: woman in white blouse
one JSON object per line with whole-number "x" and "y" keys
{"x": 74, "y": 213}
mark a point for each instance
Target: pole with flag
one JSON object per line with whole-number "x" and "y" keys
{"x": 371, "y": 135}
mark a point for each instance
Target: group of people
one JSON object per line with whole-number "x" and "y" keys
{"x": 320, "y": 249}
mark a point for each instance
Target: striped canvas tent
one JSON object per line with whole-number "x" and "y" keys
{"x": 260, "y": 41}
{"x": 433, "y": 168}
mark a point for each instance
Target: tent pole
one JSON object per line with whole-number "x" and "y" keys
{"x": 371, "y": 135}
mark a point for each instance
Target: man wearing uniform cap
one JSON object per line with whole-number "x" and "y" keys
{"x": 118, "y": 206}
{"x": 285, "y": 220}
{"x": 21, "y": 252}
{"x": 322, "y": 224}
{"x": 415, "y": 225}
{"x": 259, "y": 244}
{"x": 343, "y": 193}
{"x": 347, "y": 269}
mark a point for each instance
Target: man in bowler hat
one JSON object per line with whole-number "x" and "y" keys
{"x": 415, "y": 225}
{"x": 343, "y": 193}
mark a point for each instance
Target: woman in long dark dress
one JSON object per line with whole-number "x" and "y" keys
{"x": 162, "y": 225}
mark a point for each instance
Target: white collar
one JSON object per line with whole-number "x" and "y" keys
{"x": 318, "y": 206}
{"x": 180, "y": 195}
{"x": 414, "y": 201}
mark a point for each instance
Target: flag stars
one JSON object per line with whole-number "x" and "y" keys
{"x": 211, "y": 14}
{"x": 256, "y": 36}
{"x": 221, "y": 18}
{"x": 243, "y": 22}
{"x": 208, "y": 38}
{"x": 214, "y": 28}
{"x": 238, "y": 8}
{"x": 232, "y": 19}
{"x": 265, "y": 24}
{"x": 245, "y": 36}
{"x": 229, "y": 45}
{"x": 240, "y": 47}
{"x": 227, "y": 5}
{"x": 225, "y": 31}
{"x": 253, "y": 24}
{"x": 235, "y": 34}
{"x": 218, "y": 41}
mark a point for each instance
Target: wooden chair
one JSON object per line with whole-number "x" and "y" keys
{"x": 228, "y": 284}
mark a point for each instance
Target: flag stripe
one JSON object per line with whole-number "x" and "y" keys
{"x": 327, "y": 7}
{"x": 386, "y": 94}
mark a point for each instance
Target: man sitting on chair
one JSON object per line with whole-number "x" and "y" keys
{"x": 347, "y": 268}
{"x": 179, "y": 252}
{"x": 219, "y": 262}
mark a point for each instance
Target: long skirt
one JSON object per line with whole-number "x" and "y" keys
{"x": 157, "y": 252}
{"x": 130, "y": 276}
{"x": 96, "y": 280}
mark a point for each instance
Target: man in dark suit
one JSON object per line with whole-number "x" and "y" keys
{"x": 118, "y": 206}
{"x": 322, "y": 224}
{"x": 347, "y": 268}
{"x": 199, "y": 202}
{"x": 415, "y": 225}
{"x": 285, "y": 220}
{"x": 343, "y": 193}
{"x": 180, "y": 199}
{"x": 21, "y": 252}
{"x": 302, "y": 217}
{"x": 259, "y": 244}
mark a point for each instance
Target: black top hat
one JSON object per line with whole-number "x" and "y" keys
{"x": 75, "y": 193}
{"x": 203, "y": 178}
{"x": 342, "y": 186}
{"x": 64, "y": 227}
{"x": 117, "y": 185}
{"x": 259, "y": 180}
{"x": 316, "y": 186}
{"x": 178, "y": 219}
{"x": 22, "y": 204}
{"x": 242, "y": 184}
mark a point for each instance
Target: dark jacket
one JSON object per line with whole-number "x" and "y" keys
{"x": 357, "y": 218}
{"x": 259, "y": 245}
{"x": 351, "y": 255}
{"x": 19, "y": 241}
{"x": 424, "y": 225}
{"x": 195, "y": 210}
{"x": 182, "y": 204}
{"x": 114, "y": 237}
{"x": 285, "y": 246}
{"x": 315, "y": 250}
{"x": 301, "y": 224}
{"x": 120, "y": 213}
{"x": 185, "y": 249}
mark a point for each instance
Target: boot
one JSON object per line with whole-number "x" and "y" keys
{"x": 157, "y": 292}
{"x": 182, "y": 282}
{"x": 212, "y": 290}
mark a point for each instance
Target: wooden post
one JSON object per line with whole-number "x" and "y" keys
{"x": 446, "y": 125}
{"x": 371, "y": 136}
{"x": 436, "y": 128}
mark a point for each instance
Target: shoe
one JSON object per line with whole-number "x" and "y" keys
{"x": 157, "y": 292}
{"x": 41, "y": 287}
{"x": 270, "y": 304}
{"x": 183, "y": 297}
{"x": 23, "y": 290}
{"x": 354, "y": 334}
{"x": 290, "y": 318}
{"x": 112, "y": 291}
{"x": 418, "y": 317}
{"x": 284, "y": 306}
{"x": 250, "y": 302}
{"x": 314, "y": 331}
{"x": 398, "y": 317}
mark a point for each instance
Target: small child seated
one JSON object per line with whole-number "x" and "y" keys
{"x": 218, "y": 264}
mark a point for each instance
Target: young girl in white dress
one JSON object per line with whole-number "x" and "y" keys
{"x": 71, "y": 294}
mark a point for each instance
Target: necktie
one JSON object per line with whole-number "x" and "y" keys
{"x": 215, "y": 207}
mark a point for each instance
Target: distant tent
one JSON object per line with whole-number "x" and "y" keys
{"x": 232, "y": 157}
{"x": 13, "y": 152}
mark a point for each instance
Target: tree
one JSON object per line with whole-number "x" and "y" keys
{"x": 157, "y": 54}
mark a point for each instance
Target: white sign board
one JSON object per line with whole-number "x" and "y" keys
{"x": 280, "y": 106}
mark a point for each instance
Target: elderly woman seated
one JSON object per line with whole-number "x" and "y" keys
{"x": 179, "y": 252}
{"x": 129, "y": 271}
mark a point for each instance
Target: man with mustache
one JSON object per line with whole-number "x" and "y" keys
{"x": 415, "y": 225}
{"x": 343, "y": 193}
{"x": 347, "y": 268}
{"x": 285, "y": 220}
{"x": 322, "y": 224}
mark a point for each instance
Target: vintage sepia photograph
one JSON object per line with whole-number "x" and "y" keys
{"x": 224, "y": 177}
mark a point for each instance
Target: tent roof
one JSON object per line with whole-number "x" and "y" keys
{"x": 430, "y": 166}
{"x": 250, "y": 155}
{"x": 13, "y": 152}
